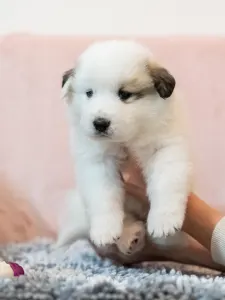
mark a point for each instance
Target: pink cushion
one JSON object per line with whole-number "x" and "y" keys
{"x": 34, "y": 155}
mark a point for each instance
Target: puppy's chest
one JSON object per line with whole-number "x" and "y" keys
{"x": 120, "y": 153}
{"x": 139, "y": 154}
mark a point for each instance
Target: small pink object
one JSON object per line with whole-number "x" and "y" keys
{"x": 10, "y": 269}
{"x": 17, "y": 269}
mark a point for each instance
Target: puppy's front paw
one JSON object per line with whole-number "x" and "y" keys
{"x": 164, "y": 223}
{"x": 106, "y": 230}
{"x": 132, "y": 238}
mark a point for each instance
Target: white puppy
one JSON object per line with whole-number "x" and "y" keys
{"x": 120, "y": 99}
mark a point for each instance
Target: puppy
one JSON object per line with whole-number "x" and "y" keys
{"x": 120, "y": 100}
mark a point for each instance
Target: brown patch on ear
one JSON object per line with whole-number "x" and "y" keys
{"x": 163, "y": 81}
{"x": 67, "y": 75}
{"x": 67, "y": 88}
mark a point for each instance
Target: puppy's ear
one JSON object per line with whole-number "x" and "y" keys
{"x": 163, "y": 81}
{"x": 66, "y": 76}
{"x": 67, "y": 89}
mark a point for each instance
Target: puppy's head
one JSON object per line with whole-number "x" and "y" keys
{"x": 117, "y": 90}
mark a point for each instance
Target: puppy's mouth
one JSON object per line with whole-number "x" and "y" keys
{"x": 102, "y": 135}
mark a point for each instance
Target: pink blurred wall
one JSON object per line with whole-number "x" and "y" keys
{"x": 35, "y": 164}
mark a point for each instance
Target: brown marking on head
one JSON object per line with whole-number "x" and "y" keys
{"x": 160, "y": 81}
{"x": 138, "y": 84}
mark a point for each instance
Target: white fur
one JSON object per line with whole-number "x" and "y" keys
{"x": 148, "y": 128}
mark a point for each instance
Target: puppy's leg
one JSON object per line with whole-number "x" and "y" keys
{"x": 99, "y": 181}
{"x": 133, "y": 235}
{"x": 132, "y": 238}
{"x": 168, "y": 185}
{"x": 75, "y": 224}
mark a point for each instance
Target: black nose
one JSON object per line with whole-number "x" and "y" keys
{"x": 101, "y": 125}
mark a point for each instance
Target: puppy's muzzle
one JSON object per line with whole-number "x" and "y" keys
{"x": 101, "y": 125}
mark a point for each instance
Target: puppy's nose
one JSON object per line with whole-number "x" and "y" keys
{"x": 101, "y": 125}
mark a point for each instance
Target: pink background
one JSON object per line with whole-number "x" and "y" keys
{"x": 35, "y": 163}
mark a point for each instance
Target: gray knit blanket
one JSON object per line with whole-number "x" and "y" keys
{"x": 78, "y": 273}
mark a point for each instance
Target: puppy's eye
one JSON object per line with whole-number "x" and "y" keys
{"x": 89, "y": 93}
{"x": 124, "y": 95}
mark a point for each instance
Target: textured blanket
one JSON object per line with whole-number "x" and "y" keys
{"x": 79, "y": 274}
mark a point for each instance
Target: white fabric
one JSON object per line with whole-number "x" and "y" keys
{"x": 218, "y": 243}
